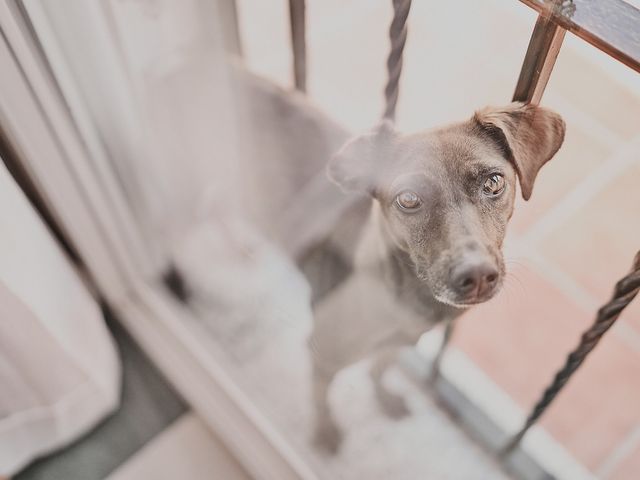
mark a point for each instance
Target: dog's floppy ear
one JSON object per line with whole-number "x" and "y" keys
{"x": 357, "y": 163}
{"x": 529, "y": 136}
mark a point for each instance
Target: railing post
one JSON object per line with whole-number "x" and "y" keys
{"x": 542, "y": 52}
{"x": 297, "y": 17}
{"x": 446, "y": 337}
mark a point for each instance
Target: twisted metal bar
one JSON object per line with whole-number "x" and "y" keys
{"x": 398, "y": 37}
{"x": 625, "y": 291}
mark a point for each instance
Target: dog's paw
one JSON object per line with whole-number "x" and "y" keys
{"x": 393, "y": 406}
{"x": 328, "y": 438}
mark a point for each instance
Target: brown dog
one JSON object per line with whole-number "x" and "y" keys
{"x": 429, "y": 240}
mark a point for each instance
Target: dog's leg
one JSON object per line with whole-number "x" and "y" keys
{"x": 327, "y": 435}
{"x": 392, "y": 404}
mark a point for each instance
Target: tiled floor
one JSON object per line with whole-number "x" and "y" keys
{"x": 628, "y": 467}
{"x": 568, "y": 245}
{"x": 186, "y": 449}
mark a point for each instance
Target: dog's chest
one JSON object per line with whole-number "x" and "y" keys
{"x": 418, "y": 312}
{"x": 377, "y": 305}
{"x": 361, "y": 316}
{"x": 403, "y": 298}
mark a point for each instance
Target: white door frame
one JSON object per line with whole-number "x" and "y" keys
{"x": 64, "y": 162}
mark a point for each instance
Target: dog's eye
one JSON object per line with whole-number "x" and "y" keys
{"x": 493, "y": 185}
{"x": 408, "y": 200}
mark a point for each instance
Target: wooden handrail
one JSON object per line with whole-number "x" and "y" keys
{"x": 612, "y": 26}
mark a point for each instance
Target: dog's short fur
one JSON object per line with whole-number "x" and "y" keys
{"x": 412, "y": 268}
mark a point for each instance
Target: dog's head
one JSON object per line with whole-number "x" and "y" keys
{"x": 447, "y": 194}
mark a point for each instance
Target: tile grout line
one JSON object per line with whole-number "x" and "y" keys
{"x": 593, "y": 127}
{"x": 619, "y": 453}
{"x": 575, "y": 292}
{"x": 563, "y": 281}
{"x": 627, "y": 334}
{"x": 588, "y": 188}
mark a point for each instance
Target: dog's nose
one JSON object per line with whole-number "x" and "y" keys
{"x": 474, "y": 279}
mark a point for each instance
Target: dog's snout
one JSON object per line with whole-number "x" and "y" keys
{"x": 474, "y": 279}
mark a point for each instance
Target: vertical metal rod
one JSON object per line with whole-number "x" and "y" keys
{"x": 297, "y": 17}
{"x": 228, "y": 11}
{"x": 542, "y": 52}
{"x": 435, "y": 369}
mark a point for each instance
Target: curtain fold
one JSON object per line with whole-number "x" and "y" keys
{"x": 59, "y": 371}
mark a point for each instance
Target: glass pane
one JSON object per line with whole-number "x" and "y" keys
{"x": 324, "y": 293}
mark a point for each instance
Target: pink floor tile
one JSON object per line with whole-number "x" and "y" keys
{"x": 591, "y": 89}
{"x": 629, "y": 468}
{"x": 631, "y": 315}
{"x": 579, "y": 156}
{"x": 522, "y": 337}
{"x": 599, "y": 407}
{"x": 596, "y": 246}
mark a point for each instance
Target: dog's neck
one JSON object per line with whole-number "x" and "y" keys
{"x": 378, "y": 249}
{"x": 378, "y": 254}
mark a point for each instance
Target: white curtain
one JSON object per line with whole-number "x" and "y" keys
{"x": 59, "y": 372}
